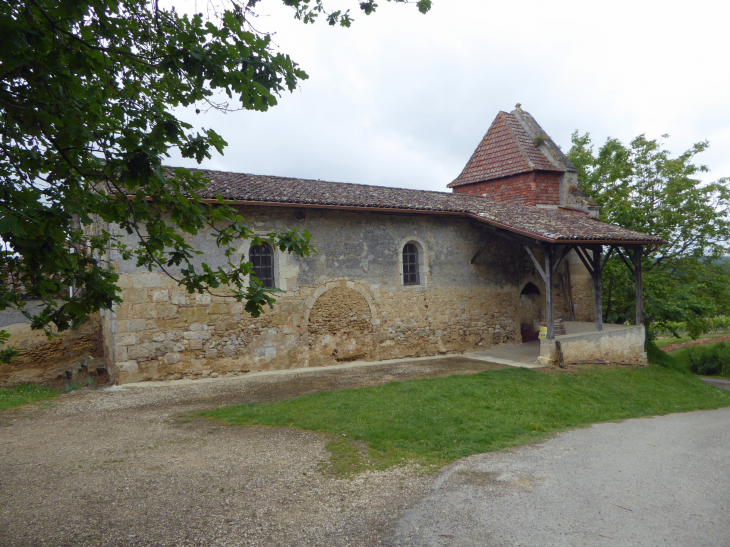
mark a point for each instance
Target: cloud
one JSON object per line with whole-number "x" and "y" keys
{"x": 402, "y": 99}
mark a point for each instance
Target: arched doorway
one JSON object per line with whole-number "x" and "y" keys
{"x": 531, "y": 312}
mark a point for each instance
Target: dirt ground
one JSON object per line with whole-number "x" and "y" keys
{"x": 126, "y": 468}
{"x": 700, "y": 342}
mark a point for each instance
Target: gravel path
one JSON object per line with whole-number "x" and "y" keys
{"x": 126, "y": 468}
{"x": 661, "y": 481}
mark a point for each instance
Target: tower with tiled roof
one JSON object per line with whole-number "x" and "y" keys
{"x": 518, "y": 162}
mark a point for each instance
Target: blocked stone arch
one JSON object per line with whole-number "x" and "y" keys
{"x": 374, "y": 319}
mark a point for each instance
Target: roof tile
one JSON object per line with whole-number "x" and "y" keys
{"x": 505, "y": 150}
{"x": 555, "y": 225}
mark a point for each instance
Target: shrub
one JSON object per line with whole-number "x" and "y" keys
{"x": 678, "y": 329}
{"x": 709, "y": 360}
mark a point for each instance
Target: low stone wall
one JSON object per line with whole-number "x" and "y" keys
{"x": 40, "y": 360}
{"x": 622, "y": 345}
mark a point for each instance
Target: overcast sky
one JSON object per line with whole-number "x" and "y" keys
{"x": 402, "y": 99}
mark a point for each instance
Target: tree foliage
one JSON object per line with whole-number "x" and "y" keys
{"x": 88, "y": 92}
{"x": 642, "y": 187}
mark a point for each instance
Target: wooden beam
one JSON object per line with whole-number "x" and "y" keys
{"x": 634, "y": 266}
{"x": 549, "y": 291}
{"x": 608, "y": 255}
{"x": 597, "y": 286}
{"x": 563, "y": 254}
{"x": 480, "y": 251}
{"x": 584, "y": 258}
{"x": 569, "y": 289}
{"x": 628, "y": 265}
{"x": 594, "y": 265}
{"x": 537, "y": 264}
{"x": 639, "y": 285}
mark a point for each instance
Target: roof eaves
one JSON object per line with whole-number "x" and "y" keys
{"x": 483, "y": 217}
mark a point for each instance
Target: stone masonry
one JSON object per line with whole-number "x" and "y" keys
{"x": 345, "y": 302}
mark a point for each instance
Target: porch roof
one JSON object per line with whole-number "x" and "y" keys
{"x": 558, "y": 225}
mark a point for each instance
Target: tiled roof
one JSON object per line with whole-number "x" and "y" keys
{"x": 505, "y": 150}
{"x": 548, "y": 148}
{"x": 553, "y": 225}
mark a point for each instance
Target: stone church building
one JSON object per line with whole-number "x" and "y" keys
{"x": 397, "y": 272}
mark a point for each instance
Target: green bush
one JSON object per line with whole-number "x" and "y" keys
{"x": 693, "y": 329}
{"x": 709, "y": 360}
{"x": 719, "y": 323}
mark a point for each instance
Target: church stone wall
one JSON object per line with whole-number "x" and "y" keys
{"x": 346, "y": 302}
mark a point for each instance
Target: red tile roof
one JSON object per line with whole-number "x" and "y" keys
{"x": 505, "y": 150}
{"x": 552, "y": 225}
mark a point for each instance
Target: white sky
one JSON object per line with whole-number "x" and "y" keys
{"x": 402, "y": 99}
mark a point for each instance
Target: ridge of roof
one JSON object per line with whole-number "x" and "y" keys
{"x": 318, "y": 181}
{"x": 547, "y": 146}
{"x": 506, "y": 149}
{"x": 551, "y": 225}
{"x": 518, "y": 137}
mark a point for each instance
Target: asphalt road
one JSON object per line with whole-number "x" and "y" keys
{"x": 721, "y": 383}
{"x": 647, "y": 482}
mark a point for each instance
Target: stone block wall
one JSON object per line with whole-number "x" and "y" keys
{"x": 346, "y": 302}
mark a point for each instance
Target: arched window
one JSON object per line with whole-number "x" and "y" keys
{"x": 530, "y": 289}
{"x": 410, "y": 265}
{"x": 262, "y": 257}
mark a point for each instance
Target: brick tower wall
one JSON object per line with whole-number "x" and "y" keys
{"x": 532, "y": 188}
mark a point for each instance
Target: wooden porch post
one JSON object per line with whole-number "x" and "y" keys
{"x": 594, "y": 265}
{"x": 547, "y": 272}
{"x": 548, "y": 249}
{"x": 634, "y": 267}
{"x": 597, "y": 285}
{"x": 639, "y": 285}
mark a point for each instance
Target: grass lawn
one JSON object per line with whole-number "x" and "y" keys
{"x": 435, "y": 421}
{"x": 24, "y": 394}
